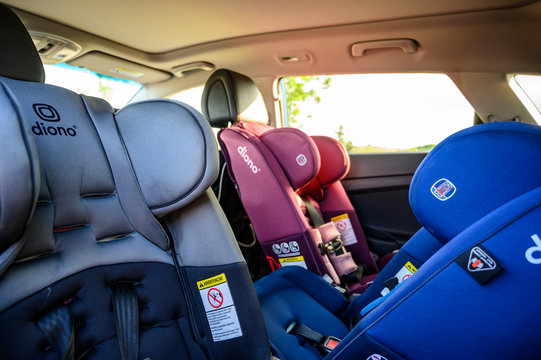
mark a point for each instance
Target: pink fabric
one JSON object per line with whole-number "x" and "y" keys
{"x": 316, "y": 236}
{"x": 336, "y": 202}
{"x": 254, "y": 128}
{"x": 360, "y": 287}
{"x": 328, "y": 232}
{"x": 335, "y": 162}
{"x": 296, "y": 152}
{"x": 264, "y": 190}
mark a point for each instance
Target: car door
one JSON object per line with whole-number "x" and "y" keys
{"x": 378, "y": 187}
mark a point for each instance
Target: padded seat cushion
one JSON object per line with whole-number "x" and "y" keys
{"x": 296, "y": 152}
{"x": 293, "y": 294}
{"x": 473, "y": 172}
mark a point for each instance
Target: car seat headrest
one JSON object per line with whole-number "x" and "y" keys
{"x": 20, "y": 59}
{"x": 335, "y": 160}
{"x": 473, "y": 172}
{"x": 19, "y": 175}
{"x": 173, "y": 152}
{"x": 229, "y": 97}
{"x": 335, "y": 164}
{"x": 296, "y": 152}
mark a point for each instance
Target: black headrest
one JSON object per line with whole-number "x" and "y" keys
{"x": 229, "y": 97}
{"x": 20, "y": 59}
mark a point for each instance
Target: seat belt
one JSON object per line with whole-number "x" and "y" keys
{"x": 126, "y": 309}
{"x": 58, "y": 327}
{"x": 325, "y": 344}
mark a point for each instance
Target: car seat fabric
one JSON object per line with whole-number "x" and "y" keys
{"x": 19, "y": 176}
{"x": 442, "y": 301}
{"x": 332, "y": 199}
{"x": 442, "y": 311}
{"x": 120, "y": 198}
{"x": 273, "y": 205}
{"x": 301, "y": 296}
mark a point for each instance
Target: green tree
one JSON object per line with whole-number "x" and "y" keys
{"x": 347, "y": 144}
{"x": 297, "y": 90}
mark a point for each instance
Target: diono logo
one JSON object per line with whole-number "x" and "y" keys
{"x": 48, "y": 113}
{"x": 244, "y": 155}
{"x": 301, "y": 160}
{"x": 443, "y": 189}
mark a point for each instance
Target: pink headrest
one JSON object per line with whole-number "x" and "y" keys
{"x": 334, "y": 160}
{"x": 296, "y": 152}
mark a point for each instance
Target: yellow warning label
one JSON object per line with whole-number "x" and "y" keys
{"x": 339, "y": 217}
{"x": 410, "y": 267}
{"x": 215, "y": 280}
{"x": 291, "y": 259}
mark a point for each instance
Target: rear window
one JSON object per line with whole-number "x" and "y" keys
{"x": 117, "y": 92}
{"x": 377, "y": 112}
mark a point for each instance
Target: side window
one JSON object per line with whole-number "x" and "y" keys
{"x": 528, "y": 90}
{"x": 377, "y": 112}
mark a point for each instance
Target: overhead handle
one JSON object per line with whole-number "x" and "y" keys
{"x": 408, "y": 46}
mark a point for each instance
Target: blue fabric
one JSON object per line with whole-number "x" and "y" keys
{"x": 417, "y": 250}
{"x": 442, "y": 312}
{"x": 488, "y": 165}
{"x": 294, "y": 294}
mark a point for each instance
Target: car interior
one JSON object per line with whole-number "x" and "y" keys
{"x": 280, "y": 180}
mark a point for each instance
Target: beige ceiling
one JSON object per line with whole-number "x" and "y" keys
{"x": 160, "y": 26}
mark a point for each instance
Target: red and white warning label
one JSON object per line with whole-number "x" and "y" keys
{"x": 220, "y": 308}
{"x": 343, "y": 224}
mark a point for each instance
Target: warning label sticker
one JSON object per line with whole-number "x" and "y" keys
{"x": 403, "y": 274}
{"x": 220, "y": 308}
{"x": 293, "y": 260}
{"x": 343, "y": 224}
{"x": 406, "y": 271}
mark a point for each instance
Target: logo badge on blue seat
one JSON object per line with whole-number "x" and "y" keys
{"x": 376, "y": 357}
{"x": 443, "y": 189}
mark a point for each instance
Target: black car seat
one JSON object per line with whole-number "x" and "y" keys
{"x": 111, "y": 243}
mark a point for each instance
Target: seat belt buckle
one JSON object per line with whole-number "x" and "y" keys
{"x": 329, "y": 343}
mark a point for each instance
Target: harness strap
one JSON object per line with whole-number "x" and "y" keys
{"x": 58, "y": 327}
{"x": 126, "y": 308}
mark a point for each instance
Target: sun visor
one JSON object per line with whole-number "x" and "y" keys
{"x": 473, "y": 172}
{"x": 120, "y": 68}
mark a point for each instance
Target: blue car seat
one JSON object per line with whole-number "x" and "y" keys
{"x": 473, "y": 288}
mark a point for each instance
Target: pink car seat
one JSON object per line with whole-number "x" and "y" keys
{"x": 289, "y": 185}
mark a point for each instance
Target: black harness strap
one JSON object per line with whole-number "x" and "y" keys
{"x": 126, "y": 308}
{"x": 58, "y": 327}
{"x": 317, "y": 220}
{"x": 325, "y": 344}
